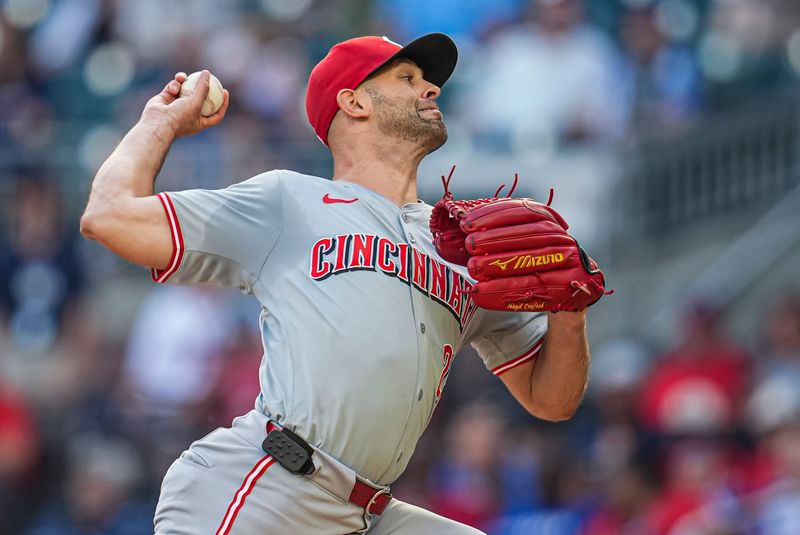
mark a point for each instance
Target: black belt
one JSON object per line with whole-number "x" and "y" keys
{"x": 294, "y": 454}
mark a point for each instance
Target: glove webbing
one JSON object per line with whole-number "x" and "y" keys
{"x": 471, "y": 203}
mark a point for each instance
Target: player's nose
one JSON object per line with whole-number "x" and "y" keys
{"x": 432, "y": 91}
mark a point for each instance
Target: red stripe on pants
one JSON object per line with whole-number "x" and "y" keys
{"x": 241, "y": 494}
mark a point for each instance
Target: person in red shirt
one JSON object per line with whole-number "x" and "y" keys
{"x": 699, "y": 385}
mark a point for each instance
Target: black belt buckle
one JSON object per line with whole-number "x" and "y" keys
{"x": 291, "y": 451}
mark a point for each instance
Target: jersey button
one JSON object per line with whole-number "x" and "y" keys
{"x": 405, "y": 218}
{"x": 419, "y": 396}
{"x": 422, "y": 328}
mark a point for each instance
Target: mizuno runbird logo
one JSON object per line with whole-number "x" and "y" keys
{"x": 503, "y": 264}
{"x": 327, "y": 199}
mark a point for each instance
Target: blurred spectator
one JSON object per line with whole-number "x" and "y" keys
{"x": 171, "y": 38}
{"x": 616, "y": 454}
{"x": 40, "y": 272}
{"x": 102, "y": 475}
{"x": 618, "y": 368}
{"x": 273, "y": 83}
{"x": 777, "y": 503}
{"x": 625, "y": 497}
{"x": 698, "y": 386}
{"x": 773, "y": 416}
{"x": 12, "y": 56}
{"x": 742, "y": 53}
{"x": 63, "y": 37}
{"x": 463, "y": 484}
{"x": 77, "y": 375}
{"x": 560, "y": 498}
{"x": 556, "y": 79}
{"x": 19, "y": 451}
{"x": 170, "y": 367}
{"x": 173, "y": 350}
{"x": 775, "y": 397}
{"x": 698, "y": 493}
{"x": 236, "y": 386}
{"x": 663, "y": 80}
{"x": 782, "y": 334}
{"x": 521, "y": 471}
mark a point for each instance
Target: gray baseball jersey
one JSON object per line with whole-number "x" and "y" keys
{"x": 360, "y": 317}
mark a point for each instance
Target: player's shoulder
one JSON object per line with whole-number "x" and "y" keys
{"x": 304, "y": 187}
{"x": 295, "y": 182}
{"x": 261, "y": 180}
{"x": 287, "y": 180}
{"x": 291, "y": 178}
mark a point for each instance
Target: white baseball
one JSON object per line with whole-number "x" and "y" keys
{"x": 214, "y": 100}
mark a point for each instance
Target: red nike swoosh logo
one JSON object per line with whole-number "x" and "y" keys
{"x": 327, "y": 199}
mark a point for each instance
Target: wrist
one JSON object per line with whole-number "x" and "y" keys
{"x": 567, "y": 318}
{"x": 160, "y": 125}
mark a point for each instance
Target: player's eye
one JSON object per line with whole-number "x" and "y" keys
{"x": 408, "y": 77}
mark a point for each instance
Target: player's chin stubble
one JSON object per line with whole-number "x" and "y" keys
{"x": 399, "y": 118}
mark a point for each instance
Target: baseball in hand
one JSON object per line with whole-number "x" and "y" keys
{"x": 214, "y": 99}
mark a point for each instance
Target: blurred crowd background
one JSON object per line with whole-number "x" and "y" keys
{"x": 669, "y": 131}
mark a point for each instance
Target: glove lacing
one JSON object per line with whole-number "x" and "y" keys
{"x": 511, "y": 191}
{"x": 446, "y": 184}
{"x": 583, "y": 287}
{"x": 470, "y": 203}
{"x": 475, "y": 202}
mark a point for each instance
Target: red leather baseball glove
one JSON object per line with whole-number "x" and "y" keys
{"x": 518, "y": 251}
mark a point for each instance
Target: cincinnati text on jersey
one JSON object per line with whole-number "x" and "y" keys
{"x": 366, "y": 252}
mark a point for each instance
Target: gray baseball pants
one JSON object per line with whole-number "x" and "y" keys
{"x": 226, "y": 484}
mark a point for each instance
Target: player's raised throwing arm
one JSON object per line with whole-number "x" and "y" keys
{"x": 122, "y": 212}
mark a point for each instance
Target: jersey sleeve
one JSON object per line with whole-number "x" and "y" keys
{"x": 505, "y": 340}
{"x": 222, "y": 237}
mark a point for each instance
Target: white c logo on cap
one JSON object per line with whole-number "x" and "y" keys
{"x": 390, "y": 41}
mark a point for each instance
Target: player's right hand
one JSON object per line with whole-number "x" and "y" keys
{"x": 182, "y": 115}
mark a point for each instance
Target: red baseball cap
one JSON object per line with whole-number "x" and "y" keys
{"x": 351, "y": 62}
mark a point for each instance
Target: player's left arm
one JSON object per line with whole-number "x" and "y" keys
{"x": 551, "y": 386}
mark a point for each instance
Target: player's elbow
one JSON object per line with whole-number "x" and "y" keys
{"x": 550, "y": 411}
{"x": 93, "y": 221}
{"x": 553, "y": 415}
{"x": 88, "y": 225}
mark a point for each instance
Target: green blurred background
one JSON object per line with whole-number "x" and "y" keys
{"x": 669, "y": 131}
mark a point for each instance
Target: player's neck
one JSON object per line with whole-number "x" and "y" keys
{"x": 393, "y": 175}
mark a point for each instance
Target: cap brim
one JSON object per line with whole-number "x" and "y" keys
{"x": 435, "y": 53}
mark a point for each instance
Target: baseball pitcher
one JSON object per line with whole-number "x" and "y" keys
{"x": 366, "y": 296}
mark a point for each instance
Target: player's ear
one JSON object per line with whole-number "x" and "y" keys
{"x": 355, "y": 104}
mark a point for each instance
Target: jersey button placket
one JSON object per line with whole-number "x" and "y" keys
{"x": 418, "y": 308}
